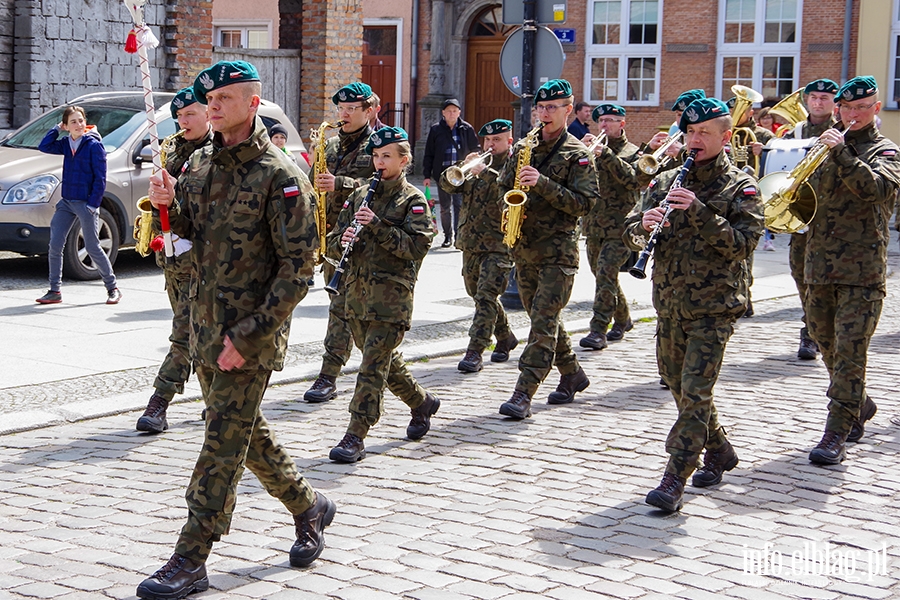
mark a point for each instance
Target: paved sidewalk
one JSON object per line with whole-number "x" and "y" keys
{"x": 482, "y": 507}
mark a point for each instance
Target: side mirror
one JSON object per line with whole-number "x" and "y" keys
{"x": 143, "y": 153}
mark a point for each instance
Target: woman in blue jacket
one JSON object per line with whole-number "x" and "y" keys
{"x": 83, "y": 184}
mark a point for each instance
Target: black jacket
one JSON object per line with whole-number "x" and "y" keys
{"x": 439, "y": 139}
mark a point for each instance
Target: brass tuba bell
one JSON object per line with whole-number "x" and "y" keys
{"x": 791, "y": 109}
{"x": 743, "y": 137}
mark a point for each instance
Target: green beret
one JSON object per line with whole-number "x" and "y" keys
{"x": 184, "y": 97}
{"x": 686, "y": 98}
{"x": 553, "y": 89}
{"x": 731, "y": 102}
{"x": 385, "y": 136}
{"x": 355, "y": 92}
{"x": 221, "y": 74}
{"x": 703, "y": 109}
{"x": 494, "y": 127}
{"x": 858, "y": 87}
{"x": 607, "y": 109}
{"x": 821, "y": 85}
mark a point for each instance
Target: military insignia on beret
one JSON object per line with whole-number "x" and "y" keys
{"x": 376, "y": 139}
{"x": 178, "y": 102}
{"x": 821, "y": 86}
{"x": 342, "y": 96}
{"x": 848, "y": 94}
{"x": 489, "y": 128}
{"x": 206, "y": 81}
{"x": 692, "y": 116}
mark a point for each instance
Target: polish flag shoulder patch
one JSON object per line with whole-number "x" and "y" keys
{"x": 889, "y": 152}
{"x": 584, "y": 161}
{"x": 291, "y": 191}
{"x": 750, "y": 191}
{"x": 418, "y": 209}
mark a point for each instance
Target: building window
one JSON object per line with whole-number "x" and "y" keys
{"x": 236, "y": 36}
{"x": 623, "y": 51}
{"x": 894, "y": 100}
{"x": 759, "y": 46}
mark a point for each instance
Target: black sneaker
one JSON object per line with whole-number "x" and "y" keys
{"x": 50, "y": 297}
{"x": 113, "y": 296}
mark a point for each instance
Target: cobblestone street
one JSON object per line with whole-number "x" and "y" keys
{"x": 482, "y": 507}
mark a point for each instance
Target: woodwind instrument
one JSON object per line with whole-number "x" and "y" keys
{"x": 515, "y": 199}
{"x": 320, "y": 165}
{"x": 339, "y": 268}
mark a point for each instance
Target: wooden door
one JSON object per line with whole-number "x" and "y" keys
{"x": 486, "y": 96}
{"x": 379, "y": 65}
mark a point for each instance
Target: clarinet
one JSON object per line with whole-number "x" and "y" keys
{"x": 335, "y": 283}
{"x": 639, "y": 269}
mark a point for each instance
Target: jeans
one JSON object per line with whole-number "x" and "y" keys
{"x": 446, "y": 200}
{"x": 63, "y": 219}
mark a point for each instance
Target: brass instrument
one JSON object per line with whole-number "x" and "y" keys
{"x": 320, "y": 165}
{"x": 790, "y": 109}
{"x": 652, "y": 163}
{"x": 789, "y": 201}
{"x": 458, "y": 175}
{"x": 515, "y": 199}
{"x": 143, "y": 223}
{"x": 743, "y": 137}
{"x": 600, "y": 140}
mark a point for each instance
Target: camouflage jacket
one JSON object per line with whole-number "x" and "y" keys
{"x": 566, "y": 190}
{"x": 807, "y": 130}
{"x": 382, "y": 269}
{"x": 618, "y": 190}
{"x": 354, "y": 169}
{"x": 250, "y": 214}
{"x": 482, "y": 207}
{"x": 848, "y": 238}
{"x": 699, "y": 264}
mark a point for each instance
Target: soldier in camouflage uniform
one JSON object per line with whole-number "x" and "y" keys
{"x": 563, "y": 187}
{"x": 699, "y": 290}
{"x": 250, "y": 214}
{"x": 349, "y": 167}
{"x": 819, "y": 97}
{"x": 176, "y": 367}
{"x": 675, "y": 152}
{"x": 604, "y": 226}
{"x": 486, "y": 260}
{"x": 378, "y": 283}
{"x": 846, "y": 259}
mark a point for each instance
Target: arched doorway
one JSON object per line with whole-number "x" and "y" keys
{"x": 486, "y": 96}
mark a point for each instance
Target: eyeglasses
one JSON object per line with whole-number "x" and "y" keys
{"x": 347, "y": 109}
{"x": 608, "y": 121}
{"x": 858, "y": 107}
{"x": 550, "y": 108}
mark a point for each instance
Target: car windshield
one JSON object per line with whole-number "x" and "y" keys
{"x": 115, "y": 124}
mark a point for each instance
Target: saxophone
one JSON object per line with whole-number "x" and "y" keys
{"x": 320, "y": 165}
{"x": 514, "y": 213}
{"x": 143, "y": 223}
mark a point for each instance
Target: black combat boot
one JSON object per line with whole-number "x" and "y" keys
{"x": 808, "y": 349}
{"x": 154, "y": 418}
{"x": 858, "y": 429}
{"x": 830, "y": 450}
{"x": 669, "y": 495}
{"x": 175, "y": 579}
{"x": 323, "y": 389}
{"x": 618, "y": 330}
{"x": 420, "y": 422}
{"x": 503, "y": 348}
{"x": 517, "y": 407}
{"x": 568, "y": 386}
{"x": 349, "y": 450}
{"x": 714, "y": 464}
{"x": 471, "y": 362}
{"x": 594, "y": 340}
{"x": 310, "y": 529}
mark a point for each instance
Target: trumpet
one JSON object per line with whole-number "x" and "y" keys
{"x": 600, "y": 140}
{"x": 458, "y": 175}
{"x": 652, "y": 163}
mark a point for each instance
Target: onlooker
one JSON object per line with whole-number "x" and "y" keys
{"x": 449, "y": 140}
{"x": 579, "y": 127}
{"x": 83, "y": 184}
{"x": 278, "y": 134}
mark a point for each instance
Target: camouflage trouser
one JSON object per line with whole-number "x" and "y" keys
{"x": 689, "y": 355}
{"x": 176, "y": 366}
{"x": 796, "y": 258}
{"x": 338, "y": 342}
{"x": 381, "y": 366}
{"x": 236, "y": 434}
{"x": 485, "y": 275}
{"x": 842, "y": 320}
{"x": 606, "y": 256}
{"x": 545, "y": 291}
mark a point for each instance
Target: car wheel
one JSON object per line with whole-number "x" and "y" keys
{"x": 76, "y": 262}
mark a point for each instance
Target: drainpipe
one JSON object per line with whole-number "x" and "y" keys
{"x": 414, "y": 71}
{"x": 845, "y": 50}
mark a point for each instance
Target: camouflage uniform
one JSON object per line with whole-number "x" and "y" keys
{"x": 378, "y": 292}
{"x": 250, "y": 214}
{"x": 486, "y": 260}
{"x": 351, "y": 167}
{"x": 604, "y": 226}
{"x": 846, "y": 263}
{"x": 699, "y": 289}
{"x": 176, "y": 366}
{"x": 797, "y": 253}
{"x": 546, "y": 256}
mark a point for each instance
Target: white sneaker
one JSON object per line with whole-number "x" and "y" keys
{"x": 768, "y": 246}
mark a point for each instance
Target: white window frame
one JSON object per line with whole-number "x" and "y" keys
{"x": 398, "y": 24}
{"x": 623, "y": 51}
{"x": 245, "y": 26}
{"x": 893, "y": 72}
{"x": 759, "y": 49}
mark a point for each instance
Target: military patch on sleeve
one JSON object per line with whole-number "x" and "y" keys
{"x": 291, "y": 191}
{"x": 889, "y": 152}
{"x": 750, "y": 191}
{"x": 652, "y": 184}
{"x": 418, "y": 209}
{"x": 346, "y": 203}
{"x": 584, "y": 161}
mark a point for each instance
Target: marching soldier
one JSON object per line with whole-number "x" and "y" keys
{"x": 846, "y": 259}
{"x": 349, "y": 166}
{"x": 675, "y": 149}
{"x": 395, "y": 236}
{"x": 819, "y": 96}
{"x": 605, "y": 224}
{"x": 250, "y": 214}
{"x": 563, "y": 187}
{"x": 699, "y": 290}
{"x": 486, "y": 260}
{"x": 176, "y": 366}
